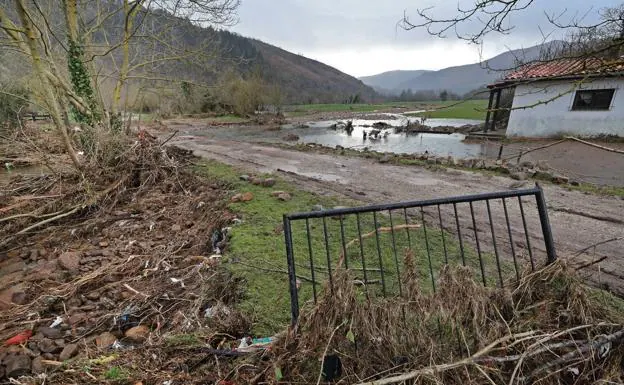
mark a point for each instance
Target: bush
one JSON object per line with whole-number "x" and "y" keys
{"x": 11, "y": 106}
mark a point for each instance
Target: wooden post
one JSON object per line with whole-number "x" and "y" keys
{"x": 487, "y": 116}
{"x": 496, "y": 107}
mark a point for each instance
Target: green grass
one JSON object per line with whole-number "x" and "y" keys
{"x": 115, "y": 373}
{"x": 310, "y": 108}
{"x": 257, "y": 250}
{"x": 469, "y": 109}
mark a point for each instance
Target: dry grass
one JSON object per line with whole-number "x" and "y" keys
{"x": 544, "y": 329}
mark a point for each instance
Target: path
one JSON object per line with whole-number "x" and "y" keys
{"x": 578, "y": 220}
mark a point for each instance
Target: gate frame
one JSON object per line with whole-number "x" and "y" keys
{"x": 537, "y": 191}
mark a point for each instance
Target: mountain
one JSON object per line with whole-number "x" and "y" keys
{"x": 460, "y": 79}
{"x": 307, "y": 80}
{"x": 387, "y": 81}
{"x": 298, "y": 78}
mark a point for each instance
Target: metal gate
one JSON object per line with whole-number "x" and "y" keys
{"x": 498, "y": 234}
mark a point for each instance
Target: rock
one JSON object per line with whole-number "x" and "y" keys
{"x": 385, "y": 159}
{"x": 18, "y": 365}
{"x": 275, "y": 194}
{"x": 138, "y": 333}
{"x": 519, "y": 175}
{"x": 246, "y": 197}
{"x": 560, "y": 179}
{"x": 317, "y": 208}
{"x": 60, "y": 342}
{"x": 256, "y": 181}
{"x": 269, "y": 182}
{"x": 11, "y": 266}
{"x": 51, "y": 333}
{"x": 527, "y": 164}
{"x": 68, "y": 352}
{"x": 7, "y": 295}
{"x": 544, "y": 175}
{"x": 37, "y": 365}
{"x": 290, "y": 137}
{"x": 575, "y": 183}
{"x": 236, "y": 198}
{"x": 176, "y": 228}
{"x": 19, "y": 298}
{"x": 105, "y": 340}
{"x": 69, "y": 260}
{"x": 103, "y": 244}
{"x": 244, "y": 177}
{"x": 93, "y": 295}
{"x": 47, "y": 346}
{"x": 284, "y": 197}
{"x": 34, "y": 254}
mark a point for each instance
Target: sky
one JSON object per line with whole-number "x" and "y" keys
{"x": 361, "y": 37}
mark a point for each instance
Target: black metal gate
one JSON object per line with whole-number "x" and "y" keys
{"x": 498, "y": 234}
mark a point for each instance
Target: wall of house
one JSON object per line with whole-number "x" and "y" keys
{"x": 556, "y": 117}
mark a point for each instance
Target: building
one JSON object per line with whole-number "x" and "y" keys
{"x": 578, "y": 97}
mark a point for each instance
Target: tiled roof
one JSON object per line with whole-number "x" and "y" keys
{"x": 566, "y": 68}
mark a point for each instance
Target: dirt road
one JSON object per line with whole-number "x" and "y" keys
{"x": 578, "y": 220}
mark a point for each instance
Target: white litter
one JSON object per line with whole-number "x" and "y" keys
{"x": 57, "y": 322}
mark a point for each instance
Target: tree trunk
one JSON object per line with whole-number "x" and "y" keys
{"x": 48, "y": 92}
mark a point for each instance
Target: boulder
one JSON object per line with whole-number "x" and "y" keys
{"x": 51, "y": 333}
{"x": 17, "y": 365}
{"x": 37, "y": 365}
{"x": 68, "y": 352}
{"x": 70, "y": 260}
{"x": 284, "y": 197}
{"x": 519, "y": 175}
{"x": 47, "y": 346}
{"x": 269, "y": 182}
{"x": 105, "y": 340}
{"x": 138, "y": 333}
{"x": 385, "y": 159}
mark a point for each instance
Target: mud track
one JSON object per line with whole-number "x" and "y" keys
{"x": 578, "y": 220}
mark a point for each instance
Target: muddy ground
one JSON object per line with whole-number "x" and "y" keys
{"x": 578, "y": 219}
{"x": 574, "y": 160}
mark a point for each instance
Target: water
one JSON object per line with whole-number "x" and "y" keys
{"x": 436, "y": 144}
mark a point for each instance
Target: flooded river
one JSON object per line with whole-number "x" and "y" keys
{"x": 321, "y": 132}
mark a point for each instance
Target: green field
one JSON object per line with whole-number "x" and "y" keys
{"x": 469, "y": 109}
{"x": 257, "y": 251}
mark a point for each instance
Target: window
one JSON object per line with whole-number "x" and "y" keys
{"x": 593, "y": 100}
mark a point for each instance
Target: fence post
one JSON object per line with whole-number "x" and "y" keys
{"x": 545, "y": 222}
{"x": 292, "y": 276}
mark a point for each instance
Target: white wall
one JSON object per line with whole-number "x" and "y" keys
{"x": 556, "y": 117}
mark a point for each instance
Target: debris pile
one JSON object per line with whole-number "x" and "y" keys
{"x": 99, "y": 268}
{"x": 548, "y": 328}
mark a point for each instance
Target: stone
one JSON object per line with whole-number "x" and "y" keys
{"x": 19, "y": 298}
{"x": 269, "y": 182}
{"x": 246, "y": 197}
{"x": 176, "y": 228}
{"x": 256, "y": 181}
{"x": 60, "y": 342}
{"x": 284, "y": 197}
{"x": 34, "y": 254}
{"x": 560, "y": 179}
{"x": 37, "y": 365}
{"x": 11, "y": 266}
{"x": 103, "y": 244}
{"x": 105, "y": 340}
{"x": 275, "y": 194}
{"x": 575, "y": 183}
{"x": 51, "y": 333}
{"x": 47, "y": 346}
{"x": 93, "y": 295}
{"x": 6, "y": 296}
{"x": 385, "y": 159}
{"x": 527, "y": 164}
{"x": 68, "y": 352}
{"x": 519, "y": 175}
{"x": 138, "y": 333}
{"x": 244, "y": 177}
{"x": 237, "y": 197}
{"x": 17, "y": 365}
{"x": 69, "y": 260}
{"x": 317, "y": 208}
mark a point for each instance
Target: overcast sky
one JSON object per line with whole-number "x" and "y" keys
{"x": 361, "y": 37}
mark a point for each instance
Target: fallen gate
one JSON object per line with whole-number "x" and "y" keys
{"x": 498, "y": 234}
